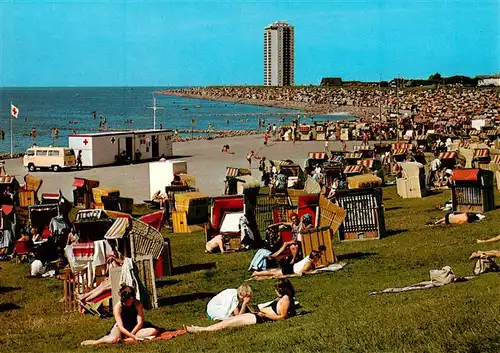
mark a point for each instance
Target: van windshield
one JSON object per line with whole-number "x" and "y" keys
{"x": 30, "y": 153}
{"x": 69, "y": 152}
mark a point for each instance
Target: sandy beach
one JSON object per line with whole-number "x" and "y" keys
{"x": 204, "y": 158}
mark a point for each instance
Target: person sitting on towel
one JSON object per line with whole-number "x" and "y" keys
{"x": 130, "y": 325}
{"x": 459, "y": 218}
{"x": 230, "y": 302}
{"x": 305, "y": 265}
{"x": 281, "y": 308}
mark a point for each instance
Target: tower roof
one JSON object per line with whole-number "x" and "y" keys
{"x": 277, "y": 24}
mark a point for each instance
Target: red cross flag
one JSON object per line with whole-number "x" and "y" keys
{"x": 14, "y": 111}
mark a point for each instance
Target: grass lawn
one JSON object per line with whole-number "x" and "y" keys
{"x": 342, "y": 316}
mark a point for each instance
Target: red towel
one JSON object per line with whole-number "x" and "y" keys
{"x": 168, "y": 335}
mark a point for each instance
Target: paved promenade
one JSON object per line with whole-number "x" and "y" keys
{"x": 204, "y": 158}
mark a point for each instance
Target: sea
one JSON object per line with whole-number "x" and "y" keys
{"x": 71, "y": 110}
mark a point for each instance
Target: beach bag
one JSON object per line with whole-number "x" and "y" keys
{"x": 485, "y": 265}
{"x": 443, "y": 276}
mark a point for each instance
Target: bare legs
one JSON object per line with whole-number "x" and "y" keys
{"x": 115, "y": 337}
{"x": 268, "y": 273}
{"x": 101, "y": 288}
{"x": 234, "y": 321}
{"x": 440, "y": 221}
{"x": 490, "y": 240}
{"x": 487, "y": 254}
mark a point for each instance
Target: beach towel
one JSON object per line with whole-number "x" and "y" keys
{"x": 438, "y": 278}
{"x": 127, "y": 276}
{"x": 246, "y": 232}
{"x": 4, "y": 239}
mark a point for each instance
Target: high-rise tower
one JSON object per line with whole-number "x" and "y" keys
{"x": 279, "y": 54}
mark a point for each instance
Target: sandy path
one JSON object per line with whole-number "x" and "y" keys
{"x": 205, "y": 162}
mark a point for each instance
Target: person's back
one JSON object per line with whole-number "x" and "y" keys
{"x": 223, "y": 304}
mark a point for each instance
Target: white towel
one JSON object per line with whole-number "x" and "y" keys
{"x": 127, "y": 276}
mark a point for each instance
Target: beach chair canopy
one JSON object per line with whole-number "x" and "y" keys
{"x": 368, "y": 163}
{"x": 411, "y": 168}
{"x": 352, "y": 155}
{"x": 481, "y": 153}
{"x": 118, "y": 229}
{"x": 363, "y": 181}
{"x": 354, "y": 169}
{"x": 234, "y": 172}
{"x": 466, "y": 174}
{"x": 317, "y": 155}
{"x": 447, "y": 155}
{"x": 399, "y": 152}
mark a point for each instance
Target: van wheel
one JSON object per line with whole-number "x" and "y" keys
{"x": 55, "y": 168}
{"x": 31, "y": 167}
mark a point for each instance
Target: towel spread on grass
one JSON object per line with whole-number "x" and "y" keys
{"x": 438, "y": 278}
{"x": 329, "y": 268}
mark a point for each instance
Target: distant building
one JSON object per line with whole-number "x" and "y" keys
{"x": 279, "y": 54}
{"x": 331, "y": 81}
{"x": 492, "y": 80}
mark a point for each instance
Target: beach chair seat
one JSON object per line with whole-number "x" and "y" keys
{"x": 22, "y": 249}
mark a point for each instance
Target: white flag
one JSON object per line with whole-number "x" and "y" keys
{"x": 14, "y": 111}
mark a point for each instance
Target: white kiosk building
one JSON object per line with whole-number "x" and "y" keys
{"x": 105, "y": 148}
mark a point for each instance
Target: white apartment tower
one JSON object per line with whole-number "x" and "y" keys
{"x": 278, "y": 54}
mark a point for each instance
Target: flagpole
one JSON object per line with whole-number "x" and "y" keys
{"x": 11, "y": 139}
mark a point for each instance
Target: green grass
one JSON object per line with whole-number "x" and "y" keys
{"x": 343, "y": 317}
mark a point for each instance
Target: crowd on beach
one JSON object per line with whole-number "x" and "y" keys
{"x": 441, "y": 103}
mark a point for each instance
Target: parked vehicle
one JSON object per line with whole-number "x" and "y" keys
{"x": 54, "y": 158}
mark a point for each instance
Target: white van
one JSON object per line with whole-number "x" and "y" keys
{"x": 55, "y": 158}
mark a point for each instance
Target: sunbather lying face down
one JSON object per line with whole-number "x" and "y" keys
{"x": 281, "y": 308}
{"x": 130, "y": 325}
{"x": 459, "y": 218}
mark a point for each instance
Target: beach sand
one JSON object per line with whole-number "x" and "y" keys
{"x": 204, "y": 160}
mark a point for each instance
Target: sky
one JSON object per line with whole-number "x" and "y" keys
{"x": 194, "y": 43}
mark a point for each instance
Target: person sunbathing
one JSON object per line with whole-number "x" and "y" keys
{"x": 281, "y": 308}
{"x": 214, "y": 244}
{"x": 112, "y": 261}
{"x": 305, "y": 265}
{"x": 459, "y": 218}
{"x": 294, "y": 244}
{"x": 130, "y": 325}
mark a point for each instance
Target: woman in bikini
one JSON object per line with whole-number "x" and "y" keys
{"x": 281, "y": 308}
{"x": 130, "y": 326}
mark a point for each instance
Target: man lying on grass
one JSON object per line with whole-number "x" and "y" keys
{"x": 130, "y": 326}
{"x": 281, "y": 308}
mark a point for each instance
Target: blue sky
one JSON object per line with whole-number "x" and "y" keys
{"x": 176, "y": 43}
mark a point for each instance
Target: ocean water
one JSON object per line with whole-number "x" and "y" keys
{"x": 70, "y": 109}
